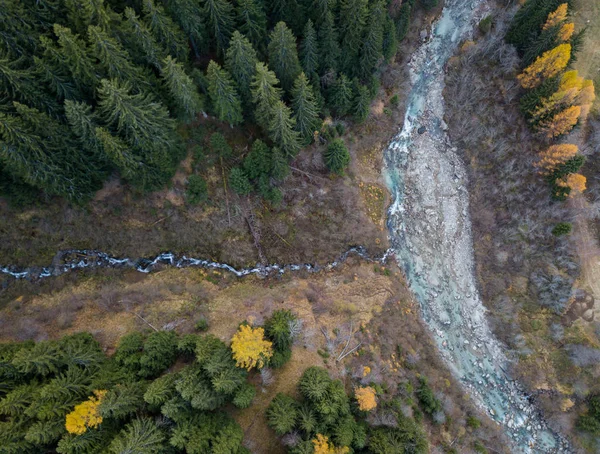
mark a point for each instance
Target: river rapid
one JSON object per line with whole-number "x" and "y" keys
{"x": 430, "y": 233}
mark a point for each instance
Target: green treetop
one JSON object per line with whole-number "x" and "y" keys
{"x": 305, "y": 109}
{"x": 283, "y": 57}
{"x": 224, "y": 97}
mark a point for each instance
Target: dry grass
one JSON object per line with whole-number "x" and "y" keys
{"x": 587, "y": 15}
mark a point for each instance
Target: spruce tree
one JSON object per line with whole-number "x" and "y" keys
{"x": 220, "y": 18}
{"x": 224, "y": 97}
{"x": 361, "y": 103}
{"x": 353, "y": 19}
{"x": 281, "y": 130}
{"x": 336, "y": 156}
{"x": 258, "y": 161}
{"x": 165, "y": 31}
{"x": 318, "y": 10}
{"x": 288, "y": 11}
{"x": 390, "y": 40}
{"x": 341, "y": 95}
{"x": 240, "y": 61}
{"x": 252, "y": 22}
{"x": 279, "y": 164}
{"x": 73, "y": 54}
{"x": 140, "y": 40}
{"x": 329, "y": 47}
{"x": 265, "y": 94}
{"x": 190, "y": 17}
{"x": 181, "y": 88}
{"x": 372, "y": 45}
{"x": 309, "y": 51}
{"x": 142, "y": 436}
{"x": 281, "y": 414}
{"x": 403, "y": 21}
{"x": 305, "y": 109}
{"x": 83, "y": 123}
{"x": 238, "y": 181}
{"x": 283, "y": 57}
{"x": 119, "y": 154}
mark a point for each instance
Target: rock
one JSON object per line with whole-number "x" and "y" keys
{"x": 588, "y": 315}
{"x": 422, "y": 130}
{"x": 423, "y": 35}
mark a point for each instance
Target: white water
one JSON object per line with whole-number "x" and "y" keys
{"x": 430, "y": 232}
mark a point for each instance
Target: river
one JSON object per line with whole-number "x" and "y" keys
{"x": 430, "y": 233}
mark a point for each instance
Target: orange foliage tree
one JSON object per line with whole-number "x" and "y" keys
{"x": 555, "y": 155}
{"x": 322, "y": 446}
{"x": 566, "y": 31}
{"x": 549, "y": 64}
{"x": 366, "y": 399}
{"x": 557, "y": 16}
{"x": 250, "y": 348}
{"x": 85, "y": 415}
{"x": 574, "y": 181}
{"x": 568, "y": 91}
{"x": 560, "y": 123}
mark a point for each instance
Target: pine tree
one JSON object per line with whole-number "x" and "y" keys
{"x": 265, "y": 94}
{"x": 190, "y": 17}
{"x": 361, "y": 104}
{"x": 142, "y": 436}
{"x": 283, "y": 57}
{"x": 278, "y": 329}
{"x": 309, "y": 51}
{"x": 165, "y": 31}
{"x": 181, "y": 88}
{"x": 240, "y": 61}
{"x": 220, "y": 18}
{"x": 336, "y": 156}
{"x": 372, "y": 44}
{"x": 305, "y": 109}
{"x": 329, "y": 47}
{"x": 353, "y": 19}
{"x": 83, "y": 13}
{"x": 281, "y": 130}
{"x": 341, "y": 95}
{"x": 252, "y": 22}
{"x": 225, "y": 99}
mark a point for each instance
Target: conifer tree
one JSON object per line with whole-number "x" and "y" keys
{"x": 119, "y": 154}
{"x": 547, "y": 65}
{"x": 139, "y": 37}
{"x": 165, "y": 31}
{"x": 181, "y": 88}
{"x": 240, "y": 61}
{"x": 190, "y": 17}
{"x": 265, "y": 94}
{"x": 560, "y": 123}
{"x": 336, "y": 156}
{"x": 281, "y": 130}
{"x": 309, "y": 51}
{"x": 239, "y": 182}
{"x": 73, "y": 54}
{"x": 142, "y": 436}
{"x": 372, "y": 44}
{"x": 258, "y": 161}
{"x": 403, "y": 20}
{"x": 305, "y": 109}
{"x": 361, "y": 103}
{"x": 283, "y": 57}
{"x": 341, "y": 95}
{"x": 329, "y": 47}
{"x": 318, "y": 9}
{"x": 252, "y": 22}
{"x": 555, "y": 156}
{"x": 225, "y": 99}
{"x": 280, "y": 167}
{"x": 390, "y": 40}
{"x": 220, "y": 19}
{"x": 281, "y": 414}
{"x": 353, "y": 19}
{"x": 83, "y": 123}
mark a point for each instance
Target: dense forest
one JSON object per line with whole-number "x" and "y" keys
{"x": 95, "y": 87}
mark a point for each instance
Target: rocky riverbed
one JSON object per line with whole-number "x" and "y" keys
{"x": 430, "y": 233}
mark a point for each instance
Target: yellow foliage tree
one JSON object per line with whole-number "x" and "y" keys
{"x": 561, "y": 123}
{"x": 366, "y": 399}
{"x": 250, "y": 348}
{"x": 85, "y": 415}
{"x": 566, "y": 95}
{"x": 575, "y": 181}
{"x": 557, "y": 16}
{"x": 322, "y": 446}
{"x": 556, "y": 155}
{"x": 566, "y": 31}
{"x": 549, "y": 64}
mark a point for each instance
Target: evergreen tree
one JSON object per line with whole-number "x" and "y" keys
{"x": 220, "y": 18}
{"x": 119, "y": 154}
{"x": 265, "y": 94}
{"x": 73, "y": 54}
{"x": 240, "y": 61}
{"x": 309, "y": 51}
{"x": 281, "y": 414}
{"x": 353, "y": 18}
{"x": 165, "y": 31}
{"x": 139, "y": 38}
{"x": 288, "y": 11}
{"x": 190, "y": 17}
{"x": 305, "y": 109}
{"x": 328, "y": 44}
{"x": 283, "y": 57}
{"x": 181, "y": 88}
{"x": 142, "y": 436}
{"x": 341, "y": 95}
{"x": 238, "y": 180}
{"x": 279, "y": 164}
{"x": 361, "y": 104}
{"x": 252, "y": 22}
{"x": 83, "y": 123}
{"x": 336, "y": 156}
{"x": 428, "y": 5}
{"x": 390, "y": 41}
{"x": 281, "y": 130}
{"x": 318, "y": 9}
{"x": 223, "y": 95}
{"x": 548, "y": 39}
{"x": 159, "y": 352}
{"x": 403, "y": 20}
{"x": 372, "y": 45}
{"x": 258, "y": 161}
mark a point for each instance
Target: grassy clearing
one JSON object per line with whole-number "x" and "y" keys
{"x": 587, "y": 15}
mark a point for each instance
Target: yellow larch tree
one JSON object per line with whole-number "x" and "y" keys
{"x": 549, "y": 64}
{"x": 250, "y": 348}
{"x": 575, "y": 181}
{"x": 322, "y": 446}
{"x": 568, "y": 91}
{"x": 366, "y": 398}
{"x": 85, "y": 415}
{"x": 561, "y": 123}
{"x": 566, "y": 31}
{"x": 555, "y": 155}
{"x": 557, "y": 16}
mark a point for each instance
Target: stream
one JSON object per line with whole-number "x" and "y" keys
{"x": 430, "y": 234}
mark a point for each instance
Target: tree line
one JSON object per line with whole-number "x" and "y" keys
{"x": 556, "y": 99}
{"x": 95, "y": 87}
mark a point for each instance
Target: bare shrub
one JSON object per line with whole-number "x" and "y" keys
{"x": 583, "y": 356}
{"x": 266, "y": 376}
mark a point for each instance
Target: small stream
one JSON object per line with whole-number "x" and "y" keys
{"x": 430, "y": 233}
